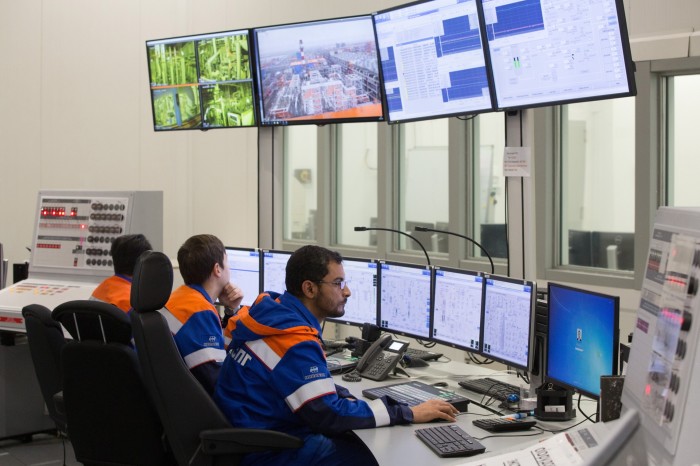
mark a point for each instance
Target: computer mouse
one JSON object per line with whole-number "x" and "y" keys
{"x": 440, "y": 384}
{"x": 513, "y": 398}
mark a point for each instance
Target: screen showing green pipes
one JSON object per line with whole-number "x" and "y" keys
{"x": 201, "y": 82}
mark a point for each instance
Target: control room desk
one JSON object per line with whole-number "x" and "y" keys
{"x": 398, "y": 445}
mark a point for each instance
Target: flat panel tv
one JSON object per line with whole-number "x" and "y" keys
{"x": 244, "y": 268}
{"x": 457, "y": 301}
{"x": 549, "y": 52}
{"x": 361, "y": 278}
{"x": 432, "y": 59}
{"x": 404, "y": 299}
{"x": 274, "y": 270}
{"x": 318, "y": 72}
{"x": 201, "y": 82}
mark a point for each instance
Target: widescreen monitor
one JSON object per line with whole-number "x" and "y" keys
{"x": 548, "y": 52}
{"x": 507, "y": 320}
{"x": 457, "y": 299}
{"x": 432, "y": 59}
{"x": 318, "y": 72}
{"x": 404, "y": 299}
{"x": 274, "y": 270}
{"x": 361, "y": 278}
{"x": 244, "y": 269}
{"x": 202, "y": 81}
{"x": 582, "y": 338}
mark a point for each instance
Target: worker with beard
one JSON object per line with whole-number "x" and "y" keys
{"x": 275, "y": 375}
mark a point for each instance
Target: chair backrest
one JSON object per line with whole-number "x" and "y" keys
{"x": 185, "y": 408}
{"x": 111, "y": 419}
{"x": 46, "y": 341}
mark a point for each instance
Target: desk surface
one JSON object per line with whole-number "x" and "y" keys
{"x": 398, "y": 445}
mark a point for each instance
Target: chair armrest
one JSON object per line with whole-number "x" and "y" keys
{"x": 59, "y": 404}
{"x": 228, "y": 441}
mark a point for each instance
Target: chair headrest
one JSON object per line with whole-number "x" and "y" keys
{"x": 94, "y": 320}
{"x": 152, "y": 282}
{"x": 41, "y": 314}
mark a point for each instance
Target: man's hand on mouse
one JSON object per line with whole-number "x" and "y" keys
{"x": 434, "y": 409}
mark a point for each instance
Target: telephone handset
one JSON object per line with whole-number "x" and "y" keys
{"x": 381, "y": 358}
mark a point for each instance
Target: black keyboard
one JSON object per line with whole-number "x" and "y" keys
{"x": 415, "y": 353}
{"x": 491, "y": 387}
{"x": 451, "y": 440}
{"x": 503, "y": 425}
{"x": 414, "y": 393}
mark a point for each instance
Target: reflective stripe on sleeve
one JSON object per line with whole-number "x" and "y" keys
{"x": 204, "y": 355}
{"x": 310, "y": 391}
{"x": 381, "y": 414}
{"x": 263, "y": 352}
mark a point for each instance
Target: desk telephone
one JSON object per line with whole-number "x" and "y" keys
{"x": 381, "y": 358}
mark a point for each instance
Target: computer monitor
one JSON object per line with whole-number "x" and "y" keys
{"x": 549, "y": 52}
{"x": 582, "y": 338}
{"x": 361, "y": 275}
{"x": 457, "y": 302}
{"x": 274, "y": 270}
{"x": 580, "y": 248}
{"x": 404, "y": 299}
{"x": 202, "y": 81}
{"x": 432, "y": 59}
{"x": 507, "y": 320}
{"x": 244, "y": 267}
{"x": 318, "y": 72}
{"x": 494, "y": 238}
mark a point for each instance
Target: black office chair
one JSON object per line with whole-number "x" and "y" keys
{"x": 111, "y": 420}
{"x": 46, "y": 341}
{"x": 198, "y": 432}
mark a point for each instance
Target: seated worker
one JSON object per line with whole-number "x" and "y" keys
{"x": 125, "y": 250}
{"x": 275, "y": 374}
{"x": 192, "y": 317}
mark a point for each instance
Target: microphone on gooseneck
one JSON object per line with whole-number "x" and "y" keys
{"x": 493, "y": 270}
{"x": 399, "y": 232}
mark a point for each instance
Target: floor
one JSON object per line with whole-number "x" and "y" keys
{"x": 42, "y": 450}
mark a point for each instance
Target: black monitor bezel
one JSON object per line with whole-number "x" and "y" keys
{"x": 310, "y": 121}
{"x": 380, "y": 265}
{"x": 432, "y": 307}
{"x": 184, "y": 38}
{"x": 341, "y": 320}
{"x": 259, "y": 251}
{"x": 616, "y": 337}
{"x": 630, "y": 69}
{"x": 531, "y": 327}
{"x": 487, "y": 65}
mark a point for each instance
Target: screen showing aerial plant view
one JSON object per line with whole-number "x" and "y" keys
{"x": 201, "y": 82}
{"x": 318, "y": 71}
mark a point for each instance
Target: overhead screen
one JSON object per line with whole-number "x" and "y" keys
{"x": 547, "y": 52}
{"x": 318, "y": 72}
{"x": 201, "y": 82}
{"x": 432, "y": 60}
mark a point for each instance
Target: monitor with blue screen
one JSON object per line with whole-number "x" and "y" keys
{"x": 274, "y": 270}
{"x": 582, "y": 338}
{"x": 404, "y": 299}
{"x": 244, "y": 267}
{"x": 432, "y": 60}
{"x": 361, "y": 278}
{"x": 457, "y": 298}
{"x": 549, "y": 52}
{"x": 507, "y": 320}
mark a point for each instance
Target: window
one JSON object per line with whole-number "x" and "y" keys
{"x": 423, "y": 183}
{"x": 489, "y": 210}
{"x": 683, "y": 164}
{"x": 597, "y": 184}
{"x": 300, "y": 182}
{"x": 356, "y": 178}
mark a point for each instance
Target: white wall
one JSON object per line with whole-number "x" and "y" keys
{"x": 75, "y": 111}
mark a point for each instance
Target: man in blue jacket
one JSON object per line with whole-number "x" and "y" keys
{"x": 275, "y": 374}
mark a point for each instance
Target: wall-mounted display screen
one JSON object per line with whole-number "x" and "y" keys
{"x": 546, "y": 52}
{"x": 432, "y": 60}
{"x": 201, "y": 82}
{"x": 318, "y": 72}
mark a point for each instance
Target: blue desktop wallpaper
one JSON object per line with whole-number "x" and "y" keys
{"x": 582, "y": 330}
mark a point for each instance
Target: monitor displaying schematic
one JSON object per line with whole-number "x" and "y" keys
{"x": 361, "y": 279}
{"x": 457, "y": 299}
{"x": 274, "y": 270}
{"x": 244, "y": 269}
{"x": 404, "y": 299}
{"x": 507, "y": 317}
